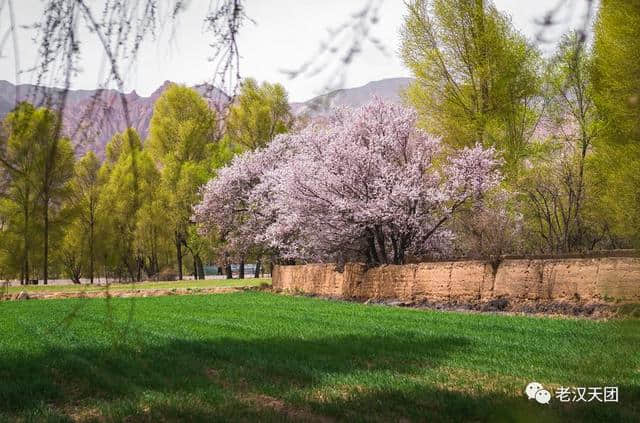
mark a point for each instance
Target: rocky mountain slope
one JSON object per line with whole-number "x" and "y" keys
{"x": 388, "y": 89}
{"x": 92, "y": 117}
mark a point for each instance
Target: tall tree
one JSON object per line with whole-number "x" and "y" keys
{"x": 54, "y": 161}
{"x": 556, "y": 185}
{"x": 85, "y": 193}
{"x": 477, "y": 78}
{"x": 182, "y": 137}
{"x": 259, "y": 113}
{"x": 616, "y": 70}
{"x": 616, "y": 82}
{"x": 153, "y": 237}
{"x": 17, "y": 158}
{"x": 123, "y": 195}
{"x": 39, "y": 165}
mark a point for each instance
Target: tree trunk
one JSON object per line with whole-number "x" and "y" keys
{"x": 372, "y": 256}
{"x": 256, "y": 274}
{"x": 379, "y": 236}
{"x": 45, "y": 264}
{"x": 91, "y": 252}
{"x": 241, "y": 270}
{"x": 155, "y": 265}
{"x": 179, "y": 255}
{"x": 199, "y": 267}
{"x": 26, "y": 238}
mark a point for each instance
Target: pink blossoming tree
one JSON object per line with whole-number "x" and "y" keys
{"x": 365, "y": 185}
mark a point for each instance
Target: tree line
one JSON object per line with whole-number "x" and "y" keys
{"x": 257, "y": 184}
{"x": 128, "y": 216}
{"x": 566, "y": 126}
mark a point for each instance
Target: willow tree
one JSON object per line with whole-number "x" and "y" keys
{"x": 85, "y": 192}
{"x": 39, "y": 165}
{"x": 130, "y": 182}
{"x": 54, "y": 162}
{"x": 182, "y": 139}
{"x": 259, "y": 113}
{"x": 616, "y": 69}
{"x": 16, "y": 156}
{"x": 616, "y": 82}
{"x": 477, "y": 78}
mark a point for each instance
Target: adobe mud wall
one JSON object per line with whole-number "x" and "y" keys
{"x": 589, "y": 278}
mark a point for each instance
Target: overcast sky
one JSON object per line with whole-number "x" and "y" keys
{"x": 285, "y": 35}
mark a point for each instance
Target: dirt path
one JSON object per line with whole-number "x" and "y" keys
{"x": 119, "y": 293}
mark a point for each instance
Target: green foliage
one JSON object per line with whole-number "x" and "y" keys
{"x": 130, "y": 183}
{"x": 85, "y": 189}
{"x": 477, "y": 78}
{"x": 259, "y": 113}
{"x": 36, "y": 167}
{"x": 616, "y": 70}
{"x": 616, "y": 80}
{"x": 557, "y": 186}
{"x": 72, "y": 251}
{"x": 184, "y": 146}
{"x": 617, "y": 174}
{"x": 119, "y": 218}
{"x": 182, "y": 126}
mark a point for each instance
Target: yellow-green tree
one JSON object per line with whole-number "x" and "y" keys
{"x": 130, "y": 183}
{"x": 477, "y": 78}
{"x": 183, "y": 136}
{"x": 258, "y": 114}
{"x": 40, "y": 164}
{"x": 616, "y": 81}
{"x": 84, "y": 195}
{"x": 16, "y": 157}
{"x": 558, "y": 185}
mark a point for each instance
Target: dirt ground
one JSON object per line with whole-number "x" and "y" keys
{"x": 119, "y": 293}
{"x": 595, "y": 310}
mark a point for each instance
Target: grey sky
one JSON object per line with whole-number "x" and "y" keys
{"x": 286, "y": 34}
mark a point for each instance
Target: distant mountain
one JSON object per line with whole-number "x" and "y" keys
{"x": 387, "y": 89}
{"x": 92, "y": 117}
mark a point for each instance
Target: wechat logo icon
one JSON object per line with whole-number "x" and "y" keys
{"x": 536, "y": 391}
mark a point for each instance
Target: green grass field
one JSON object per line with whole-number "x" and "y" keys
{"x": 251, "y": 356}
{"x": 194, "y": 284}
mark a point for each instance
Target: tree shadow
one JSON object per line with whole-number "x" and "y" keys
{"x": 256, "y": 379}
{"x": 68, "y": 376}
{"x": 427, "y": 403}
